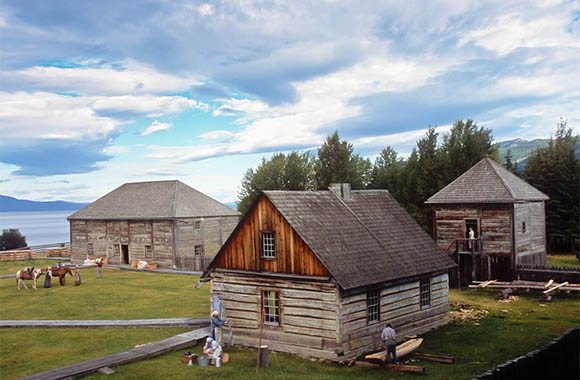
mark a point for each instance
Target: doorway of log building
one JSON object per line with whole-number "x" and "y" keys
{"x": 473, "y": 223}
{"x": 124, "y": 254}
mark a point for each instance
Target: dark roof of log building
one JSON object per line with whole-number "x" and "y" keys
{"x": 153, "y": 200}
{"x": 487, "y": 182}
{"x": 362, "y": 241}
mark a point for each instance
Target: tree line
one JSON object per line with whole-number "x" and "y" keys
{"x": 432, "y": 165}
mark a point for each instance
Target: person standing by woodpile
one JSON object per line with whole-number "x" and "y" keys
{"x": 216, "y": 323}
{"x": 77, "y": 275}
{"x": 99, "y": 268}
{"x": 390, "y": 341}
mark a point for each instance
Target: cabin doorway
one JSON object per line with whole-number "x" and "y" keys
{"x": 470, "y": 224}
{"x": 124, "y": 254}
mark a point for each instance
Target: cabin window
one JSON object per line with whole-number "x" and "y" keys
{"x": 90, "y": 249}
{"x": 523, "y": 227}
{"x": 197, "y": 224}
{"x": 88, "y": 226}
{"x": 268, "y": 244}
{"x": 425, "y": 292}
{"x": 148, "y": 251}
{"x": 198, "y": 250}
{"x": 373, "y": 306}
{"x": 271, "y": 307}
{"x": 116, "y": 227}
{"x": 117, "y": 248}
{"x": 149, "y": 226}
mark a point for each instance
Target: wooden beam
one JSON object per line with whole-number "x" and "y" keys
{"x": 406, "y": 368}
{"x": 555, "y": 287}
{"x": 434, "y": 358}
{"x": 486, "y": 283}
{"x": 549, "y": 284}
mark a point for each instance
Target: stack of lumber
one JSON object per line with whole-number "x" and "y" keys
{"x": 532, "y": 285}
{"x": 151, "y": 265}
{"x": 17, "y": 255}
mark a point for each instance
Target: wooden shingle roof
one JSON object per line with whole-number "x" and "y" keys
{"x": 487, "y": 182}
{"x": 362, "y": 241}
{"x": 153, "y": 200}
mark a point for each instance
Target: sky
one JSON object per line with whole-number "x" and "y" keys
{"x": 94, "y": 94}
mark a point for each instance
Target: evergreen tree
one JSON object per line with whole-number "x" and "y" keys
{"x": 336, "y": 163}
{"x": 387, "y": 173}
{"x": 555, "y": 170}
{"x": 509, "y": 164}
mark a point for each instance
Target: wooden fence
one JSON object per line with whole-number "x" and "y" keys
{"x": 17, "y": 255}
{"x": 559, "y": 359}
{"x": 547, "y": 273}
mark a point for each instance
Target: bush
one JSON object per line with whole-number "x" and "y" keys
{"x": 11, "y": 239}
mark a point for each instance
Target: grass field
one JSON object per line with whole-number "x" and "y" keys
{"x": 563, "y": 260}
{"x": 503, "y": 332}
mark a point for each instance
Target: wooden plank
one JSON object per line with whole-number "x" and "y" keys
{"x": 434, "y": 358}
{"x": 555, "y": 287}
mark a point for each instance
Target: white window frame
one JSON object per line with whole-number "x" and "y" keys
{"x": 271, "y": 310}
{"x": 373, "y": 306}
{"x": 198, "y": 250}
{"x": 268, "y": 244}
{"x": 425, "y": 292}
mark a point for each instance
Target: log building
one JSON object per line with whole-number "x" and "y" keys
{"x": 166, "y": 222}
{"x": 507, "y": 216}
{"x": 319, "y": 274}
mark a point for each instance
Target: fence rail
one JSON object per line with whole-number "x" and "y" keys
{"x": 559, "y": 359}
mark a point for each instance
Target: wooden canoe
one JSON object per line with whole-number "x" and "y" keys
{"x": 403, "y": 350}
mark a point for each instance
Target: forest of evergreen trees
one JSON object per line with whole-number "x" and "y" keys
{"x": 432, "y": 164}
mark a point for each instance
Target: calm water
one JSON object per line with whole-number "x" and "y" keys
{"x": 39, "y": 227}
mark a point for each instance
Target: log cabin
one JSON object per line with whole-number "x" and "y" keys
{"x": 320, "y": 273}
{"x": 166, "y": 222}
{"x": 507, "y": 216}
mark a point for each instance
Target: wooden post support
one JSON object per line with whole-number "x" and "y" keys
{"x": 263, "y": 357}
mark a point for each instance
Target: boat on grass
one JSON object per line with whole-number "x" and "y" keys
{"x": 403, "y": 350}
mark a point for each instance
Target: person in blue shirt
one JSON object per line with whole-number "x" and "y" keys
{"x": 216, "y": 322}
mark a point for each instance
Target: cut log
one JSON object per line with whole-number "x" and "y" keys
{"x": 555, "y": 287}
{"x": 264, "y": 355}
{"x": 368, "y": 365}
{"x": 549, "y": 284}
{"x": 486, "y": 283}
{"x": 434, "y": 358}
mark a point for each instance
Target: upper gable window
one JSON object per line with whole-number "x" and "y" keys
{"x": 149, "y": 226}
{"x": 89, "y": 226}
{"x": 268, "y": 241}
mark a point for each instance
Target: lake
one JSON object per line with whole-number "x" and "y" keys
{"x": 39, "y": 227}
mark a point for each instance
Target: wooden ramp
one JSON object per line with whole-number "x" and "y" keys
{"x": 147, "y": 351}
{"x": 92, "y": 324}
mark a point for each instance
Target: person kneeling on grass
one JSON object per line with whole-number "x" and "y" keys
{"x": 212, "y": 350}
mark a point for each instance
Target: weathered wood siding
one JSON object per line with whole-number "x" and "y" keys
{"x": 495, "y": 226}
{"x": 293, "y": 256}
{"x": 531, "y": 243}
{"x": 209, "y": 233}
{"x": 309, "y": 324}
{"x": 399, "y": 305}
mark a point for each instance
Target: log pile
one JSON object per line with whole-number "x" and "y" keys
{"x": 17, "y": 255}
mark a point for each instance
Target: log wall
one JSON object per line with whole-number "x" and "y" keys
{"x": 495, "y": 226}
{"x": 293, "y": 255}
{"x": 309, "y": 324}
{"x": 531, "y": 242}
{"x": 400, "y": 306}
{"x": 106, "y": 238}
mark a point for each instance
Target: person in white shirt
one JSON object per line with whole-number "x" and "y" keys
{"x": 212, "y": 349}
{"x": 390, "y": 341}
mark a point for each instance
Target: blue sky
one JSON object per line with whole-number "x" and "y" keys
{"x": 96, "y": 94}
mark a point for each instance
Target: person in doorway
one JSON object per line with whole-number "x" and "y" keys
{"x": 77, "y": 275}
{"x": 216, "y": 322}
{"x": 99, "y": 268}
{"x": 390, "y": 342}
{"x": 471, "y": 236}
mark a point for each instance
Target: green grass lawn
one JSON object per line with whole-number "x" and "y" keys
{"x": 563, "y": 260}
{"x": 506, "y": 331}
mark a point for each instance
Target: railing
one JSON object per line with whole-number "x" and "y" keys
{"x": 30, "y": 252}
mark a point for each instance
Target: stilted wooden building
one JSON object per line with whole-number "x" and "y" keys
{"x": 319, "y": 274}
{"x": 507, "y": 216}
{"x": 166, "y": 222}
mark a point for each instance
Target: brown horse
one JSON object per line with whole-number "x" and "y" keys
{"x": 60, "y": 273}
{"x": 28, "y": 274}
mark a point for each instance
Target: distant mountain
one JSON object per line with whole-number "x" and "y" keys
{"x": 521, "y": 149}
{"x": 13, "y": 204}
{"x": 232, "y": 205}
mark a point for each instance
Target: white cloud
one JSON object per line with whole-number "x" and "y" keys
{"x": 156, "y": 126}
{"x": 131, "y": 78}
{"x": 206, "y": 10}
